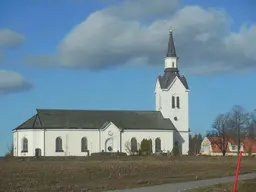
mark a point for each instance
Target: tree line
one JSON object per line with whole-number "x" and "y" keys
{"x": 235, "y": 124}
{"x": 195, "y": 144}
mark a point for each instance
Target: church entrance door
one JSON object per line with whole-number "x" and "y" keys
{"x": 109, "y": 145}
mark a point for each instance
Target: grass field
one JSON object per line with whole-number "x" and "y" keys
{"x": 243, "y": 186}
{"x": 92, "y": 174}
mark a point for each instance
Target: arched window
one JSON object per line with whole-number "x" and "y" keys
{"x": 59, "y": 145}
{"x": 134, "y": 147}
{"x": 24, "y": 145}
{"x": 158, "y": 145}
{"x": 178, "y": 102}
{"x": 84, "y": 146}
{"x": 173, "y": 102}
{"x": 172, "y": 64}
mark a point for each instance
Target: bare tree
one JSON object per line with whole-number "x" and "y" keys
{"x": 10, "y": 150}
{"x": 127, "y": 147}
{"x": 221, "y": 132}
{"x": 251, "y": 130}
{"x": 239, "y": 119}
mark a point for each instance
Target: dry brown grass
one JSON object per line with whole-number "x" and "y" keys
{"x": 111, "y": 173}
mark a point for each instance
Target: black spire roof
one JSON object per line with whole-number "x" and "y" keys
{"x": 171, "y": 48}
{"x": 168, "y": 77}
{"x": 171, "y": 73}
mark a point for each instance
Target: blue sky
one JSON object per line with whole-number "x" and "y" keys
{"x": 84, "y": 54}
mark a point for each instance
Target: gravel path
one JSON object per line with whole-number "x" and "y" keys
{"x": 178, "y": 187}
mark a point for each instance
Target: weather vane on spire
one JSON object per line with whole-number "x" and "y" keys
{"x": 171, "y": 29}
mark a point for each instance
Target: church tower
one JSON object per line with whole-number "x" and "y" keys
{"x": 171, "y": 96}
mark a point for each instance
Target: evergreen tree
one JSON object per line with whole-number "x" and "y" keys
{"x": 175, "y": 150}
{"x": 146, "y": 146}
{"x": 195, "y": 144}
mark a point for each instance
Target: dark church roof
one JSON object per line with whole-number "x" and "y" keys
{"x": 96, "y": 119}
{"x": 168, "y": 77}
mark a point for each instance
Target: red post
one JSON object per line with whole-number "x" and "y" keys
{"x": 237, "y": 170}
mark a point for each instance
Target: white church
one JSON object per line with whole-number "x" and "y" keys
{"x": 58, "y": 132}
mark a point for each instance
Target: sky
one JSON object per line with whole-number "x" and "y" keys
{"x": 107, "y": 54}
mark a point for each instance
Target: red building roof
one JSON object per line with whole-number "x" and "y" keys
{"x": 214, "y": 145}
{"x": 247, "y": 143}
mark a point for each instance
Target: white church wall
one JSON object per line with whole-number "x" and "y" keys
{"x": 183, "y": 139}
{"x": 14, "y": 141}
{"x": 35, "y": 140}
{"x": 71, "y": 141}
{"x": 158, "y": 97}
{"x": 110, "y": 137}
{"x": 164, "y": 105}
{"x": 165, "y": 136}
{"x": 177, "y": 90}
{"x": 185, "y": 144}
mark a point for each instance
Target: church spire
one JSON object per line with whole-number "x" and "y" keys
{"x": 171, "y": 52}
{"x": 171, "y": 59}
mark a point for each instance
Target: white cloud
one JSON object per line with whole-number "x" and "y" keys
{"x": 11, "y": 81}
{"x": 141, "y": 9}
{"x": 122, "y": 34}
{"x": 10, "y": 39}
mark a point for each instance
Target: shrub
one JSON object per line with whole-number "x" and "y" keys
{"x": 146, "y": 147}
{"x": 10, "y": 151}
{"x": 109, "y": 154}
{"x": 7, "y": 155}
